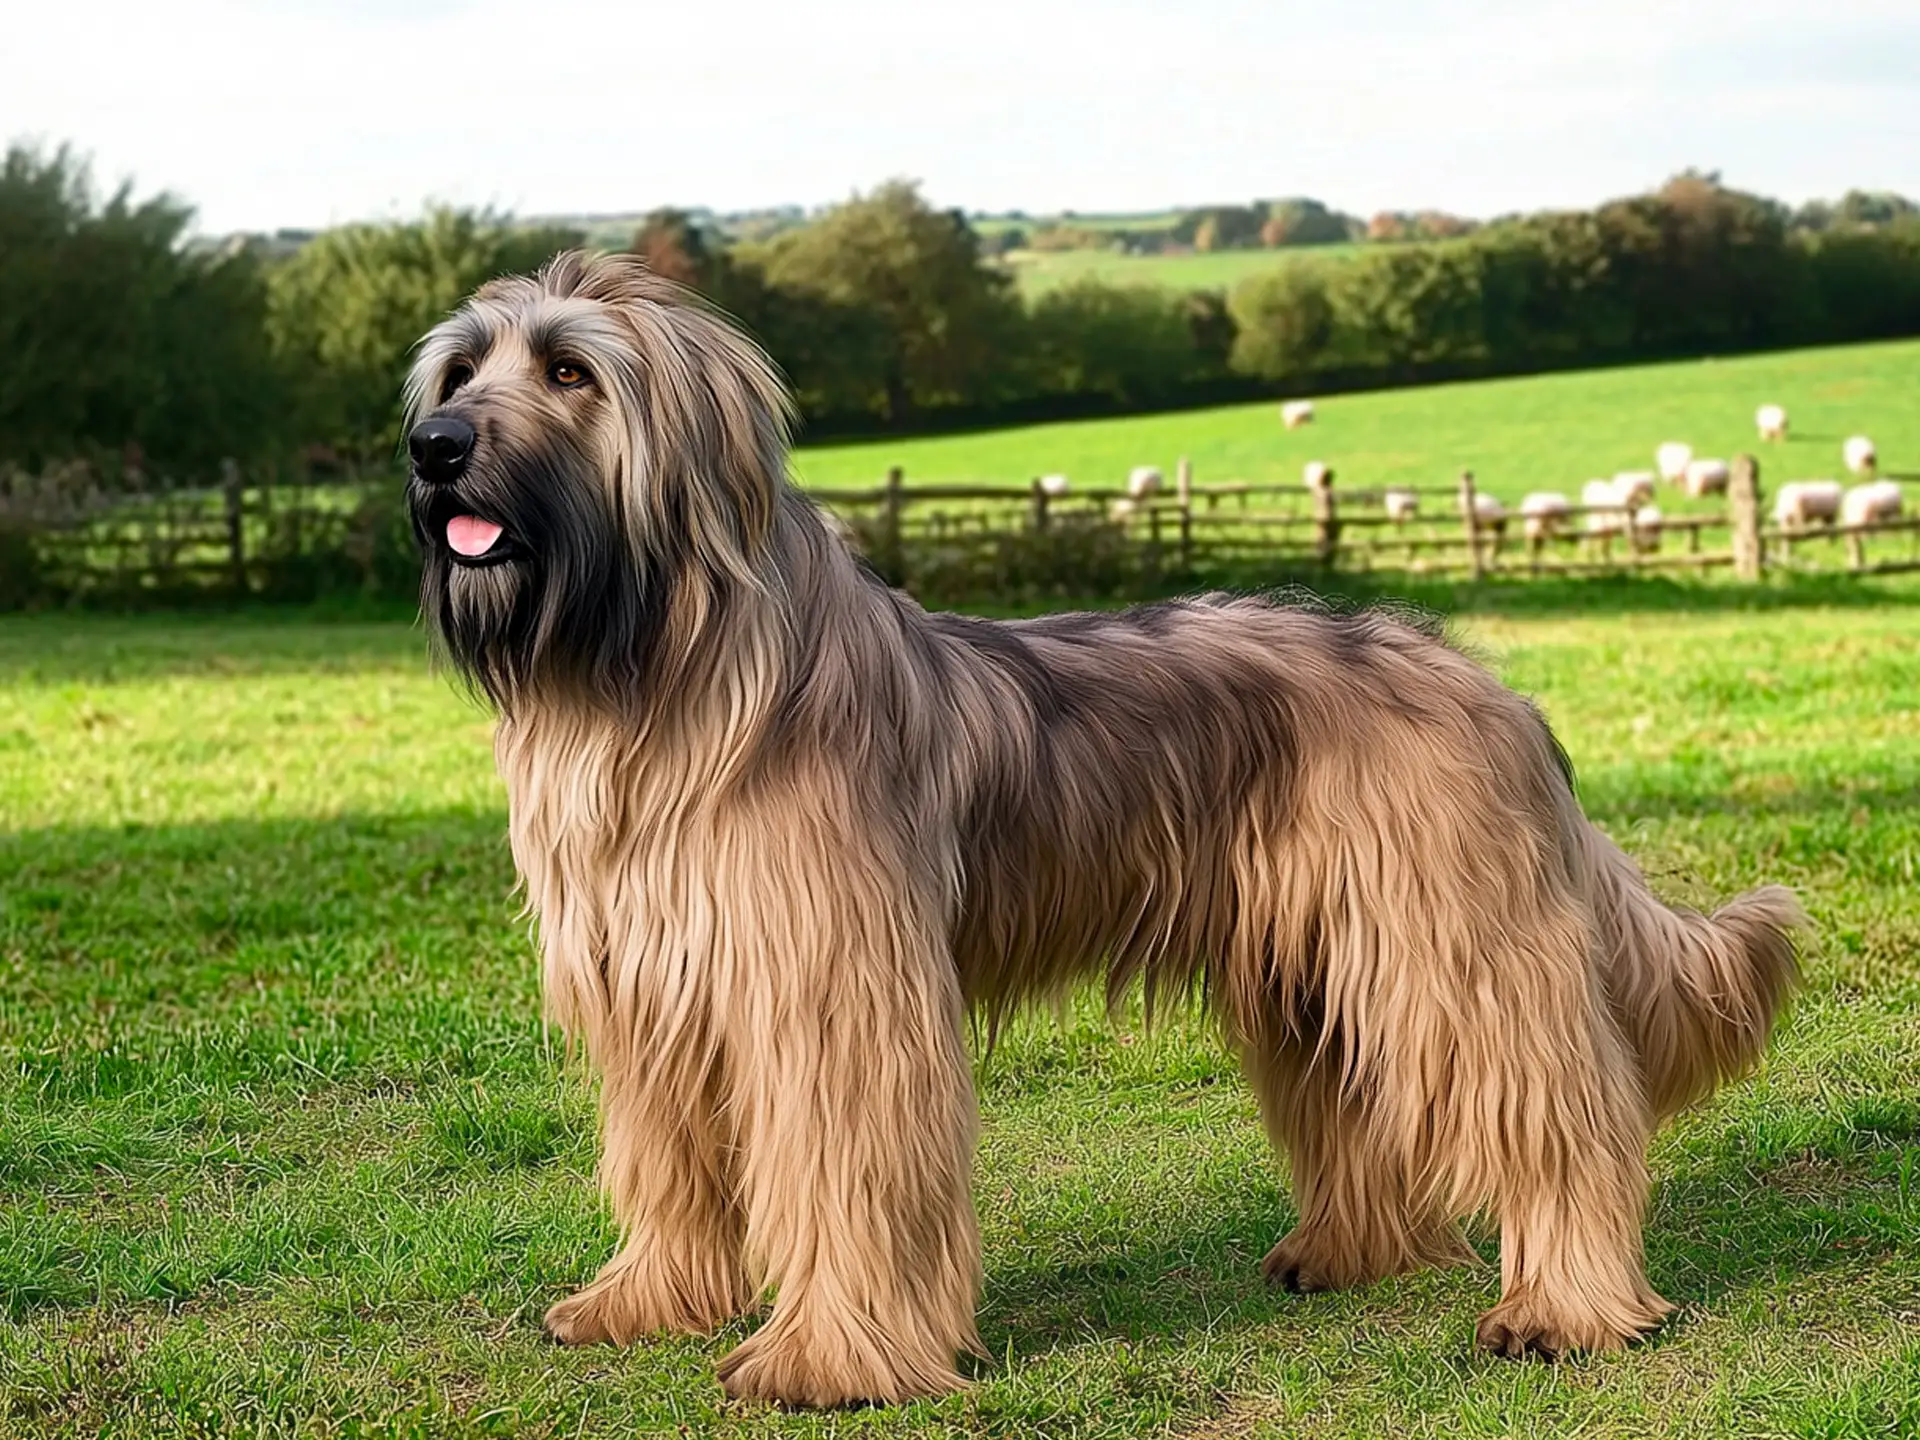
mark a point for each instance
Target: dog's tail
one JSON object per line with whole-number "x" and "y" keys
{"x": 1697, "y": 995}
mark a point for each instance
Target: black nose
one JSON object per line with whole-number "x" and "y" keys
{"x": 440, "y": 448}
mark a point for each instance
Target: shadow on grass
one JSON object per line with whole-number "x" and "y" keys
{"x": 168, "y": 919}
{"x": 1714, "y": 1230}
{"x": 268, "y": 639}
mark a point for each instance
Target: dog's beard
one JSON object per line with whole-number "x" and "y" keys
{"x": 554, "y": 601}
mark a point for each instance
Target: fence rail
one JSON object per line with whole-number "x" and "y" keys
{"x": 950, "y": 538}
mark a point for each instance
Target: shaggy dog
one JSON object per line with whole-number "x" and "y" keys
{"x": 783, "y": 829}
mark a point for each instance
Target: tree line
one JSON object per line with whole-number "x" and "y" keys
{"x": 126, "y": 340}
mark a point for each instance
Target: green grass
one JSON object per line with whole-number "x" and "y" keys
{"x": 284, "y": 1148}
{"x": 1039, "y": 271}
{"x": 1549, "y": 432}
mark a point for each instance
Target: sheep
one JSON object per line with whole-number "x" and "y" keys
{"x": 1144, "y": 480}
{"x": 1544, "y": 510}
{"x": 1800, "y": 503}
{"x": 1771, "y": 422}
{"x": 1295, "y": 413}
{"x": 1489, "y": 512}
{"x": 1401, "y": 505}
{"x": 1605, "y": 510}
{"x": 1861, "y": 457}
{"x": 1316, "y": 475}
{"x": 1707, "y": 477}
{"x": 1645, "y": 527}
{"x": 1634, "y": 487}
{"x": 1054, "y": 485}
{"x": 1672, "y": 460}
{"x": 1870, "y": 504}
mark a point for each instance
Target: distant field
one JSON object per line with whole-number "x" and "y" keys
{"x": 1041, "y": 271}
{"x": 1549, "y": 432}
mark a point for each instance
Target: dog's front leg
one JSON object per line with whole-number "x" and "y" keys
{"x": 853, "y": 1097}
{"x": 665, "y": 1167}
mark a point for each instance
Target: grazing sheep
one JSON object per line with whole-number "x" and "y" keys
{"x": 1489, "y": 512}
{"x": 1295, "y": 413}
{"x": 1316, "y": 475}
{"x": 1144, "y": 480}
{"x": 1861, "y": 457}
{"x": 1672, "y": 460}
{"x": 1634, "y": 487}
{"x": 1544, "y": 510}
{"x": 1401, "y": 505}
{"x": 1872, "y": 503}
{"x": 1606, "y": 512}
{"x": 1053, "y": 485}
{"x": 1771, "y": 421}
{"x": 1707, "y": 477}
{"x": 1800, "y": 503}
{"x": 1645, "y": 527}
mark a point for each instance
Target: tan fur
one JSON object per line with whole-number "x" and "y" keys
{"x": 773, "y": 875}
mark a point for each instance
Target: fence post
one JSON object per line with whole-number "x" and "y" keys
{"x": 1326, "y": 524}
{"x": 234, "y": 490}
{"x": 1039, "y": 507}
{"x": 894, "y": 560}
{"x": 1743, "y": 496}
{"x": 1183, "y": 488}
{"x": 1470, "y": 518}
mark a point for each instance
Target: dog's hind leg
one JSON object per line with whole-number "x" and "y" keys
{"x": 1359, "y": 1218}
{"x": 665, "y": 1167}
{"x": 1556, "y": 1127}
{"x": 853, "y": 1091}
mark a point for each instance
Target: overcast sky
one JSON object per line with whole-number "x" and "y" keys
{"x": 306, "y": 112}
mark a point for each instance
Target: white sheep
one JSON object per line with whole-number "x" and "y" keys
{"x": 1671, "y": 460}
{"x": 1144, "y": 480}
{"x": 1771, "y": 422}
{"x": 1544, "y": 510}
{"x": 1707, "y": 477}
{"x": 1634, "y": 487}
{"x": 1861, "y": 457}
{"x": 1872, "y": 503}
{"x": 1316, "y": 475}
{"x": 1800, "y": 503}
{"x": 1646, "y": 524}
{"x": 1054, "y": 485}
{"x": 1489, "y": 512}
{"x": 1606, "y": 514}
{"x": 1401, "y": 505}
{"x": 1295, "y": 413}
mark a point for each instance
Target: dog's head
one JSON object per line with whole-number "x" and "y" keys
{"x": 595, "y": 456}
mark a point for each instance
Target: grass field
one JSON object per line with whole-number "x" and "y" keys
{"x": 1039, "y": 271}
{"x": 284, "y": 1149}
{"x": 1551, "y": 432}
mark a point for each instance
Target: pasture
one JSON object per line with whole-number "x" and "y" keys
{"x": 1545, "y": 432}
{"x": 285, "y": 1149}
{"x": 1039, "y": 271}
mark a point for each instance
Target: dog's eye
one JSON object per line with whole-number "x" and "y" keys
{"x": 568, "y": 376}
{"x": 457, "y": 375}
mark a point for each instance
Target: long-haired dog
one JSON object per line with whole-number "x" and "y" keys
{"x": 782, "y": 829}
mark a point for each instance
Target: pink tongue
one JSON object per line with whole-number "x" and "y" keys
{"x": 471, "y": 535}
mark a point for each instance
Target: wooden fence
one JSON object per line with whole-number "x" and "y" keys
{"x": 1196, "y": 528}
{"x": 994, "y": 539}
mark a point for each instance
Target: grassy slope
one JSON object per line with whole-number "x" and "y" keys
{"x": 1540, "y": 432}
{"x": 1039, "y": 271}
{"x": 282, "y": 1143}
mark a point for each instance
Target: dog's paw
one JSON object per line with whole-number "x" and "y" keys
{"x": 628, "y": 1301}
{"x": 1291, "y": 1266}
{"x": 782, "y": 1370}
{"x": 1528, "y": 1328}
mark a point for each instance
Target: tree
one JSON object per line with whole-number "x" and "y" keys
{"x": 117, "y": 336}
{"x": 345, "y": 311}
{"x": 946, "y": 315}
